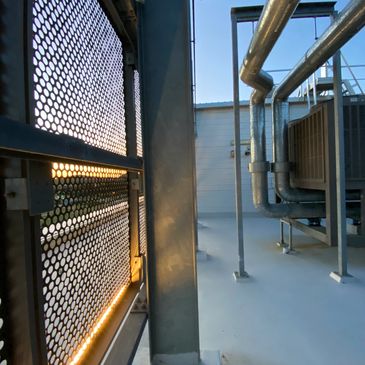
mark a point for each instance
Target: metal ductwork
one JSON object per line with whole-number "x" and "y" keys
{"x": 259, "y": 167}
{"x": 275, "y": 15}
{"x": 348, "y": 22}
{"x": 344, "y": 27}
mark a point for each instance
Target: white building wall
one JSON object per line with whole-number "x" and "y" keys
{"x": 215, "y": 166}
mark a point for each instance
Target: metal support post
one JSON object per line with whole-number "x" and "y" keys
{"x": 169, "y": 175}
{"x": 281, "y": 243}
{"x": 287, "y": 248}
{"x": 314, "y": 89}
{"x": 362, "y": 207}
{"x": 331, "y": 198}
{"x": 290, "y": 238}
{"x": 340, "y": 170}
{"x": 20, "y": 244}
{"x": 133, "y": 179}
{"x": 308, "y": 96}
{"x": 241, "y": 273}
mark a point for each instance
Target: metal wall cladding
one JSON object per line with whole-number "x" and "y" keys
{"x": 78, "y": 73}
{"x": 85, "y": 254}
{"x": 309, "y": 146}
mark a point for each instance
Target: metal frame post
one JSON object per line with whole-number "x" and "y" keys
{"x": 314, "y": 90}
{"x": 340, "y": 170}
{"x": 331, "y": 198}
{"x": 287, "y": 248}
{"x": 133, "y": 178}
{"x": 241, "y": 273}
{"x": 362, "y": 217}
{"x": 170, "y": 187}
{"x": 21, "y": 247}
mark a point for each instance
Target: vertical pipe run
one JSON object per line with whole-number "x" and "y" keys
{"x": 314, "y": 89}
{"x": 237, "y": 153}
{"x": 308, "y": 96}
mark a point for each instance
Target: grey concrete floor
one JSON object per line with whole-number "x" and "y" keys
{"x": 289, "y": 312}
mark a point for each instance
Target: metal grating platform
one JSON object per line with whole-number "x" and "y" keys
{"x": 78, "y": 73}
{"x": 85, "y": 254}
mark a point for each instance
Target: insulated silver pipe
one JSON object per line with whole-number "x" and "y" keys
{"x": 251, "y": 74}
{"x": 280, "y": 119}
{"x": 259, "y": 168}
{"x": 281, "y": 167}
{"x": 348, "y": 23}
{"x": 274, "y": 17}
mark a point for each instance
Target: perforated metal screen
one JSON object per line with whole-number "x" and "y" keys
{"x": 79, "y": 81}
{"x": 142, "y": 226}
{"x": 85, "y": 254}
{"x": 137, "y": 105}
{"x": 78, "y": 75}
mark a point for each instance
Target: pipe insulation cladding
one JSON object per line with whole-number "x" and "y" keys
{"x": 275, "y": 16}
{"x": 348, "y": 22}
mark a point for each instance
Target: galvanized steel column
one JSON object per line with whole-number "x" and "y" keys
{"x": 169, "y": 182}
{"x": 241, "y": 273}
{"x": 19, "y": 242}
{"x": 340, "y": 166}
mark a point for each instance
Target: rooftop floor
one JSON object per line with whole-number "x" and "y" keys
{"x": 289, "y": 312}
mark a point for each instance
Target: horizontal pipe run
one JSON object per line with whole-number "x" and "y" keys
{"x": 25, "y": 141}
{"x": 274, "y": 17}
{"x": 349, "y": 21}
{"x": 268, "y": 30}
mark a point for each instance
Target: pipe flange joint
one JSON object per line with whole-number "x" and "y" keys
{"x": 259, "y": 166}
{"x": 280, "y": 167}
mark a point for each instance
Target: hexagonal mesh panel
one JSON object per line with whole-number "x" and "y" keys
{"x": 78, "y": 73}
{"x": 142, "y": 226}
{"x": 85, "y": 254}
{"x": 137, "y": 105}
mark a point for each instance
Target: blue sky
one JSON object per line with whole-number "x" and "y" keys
{"x": 213, "y": 48}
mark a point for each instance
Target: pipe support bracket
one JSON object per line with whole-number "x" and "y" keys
{"x": 280, "y": 167}
{"x": 259, "y": 167}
